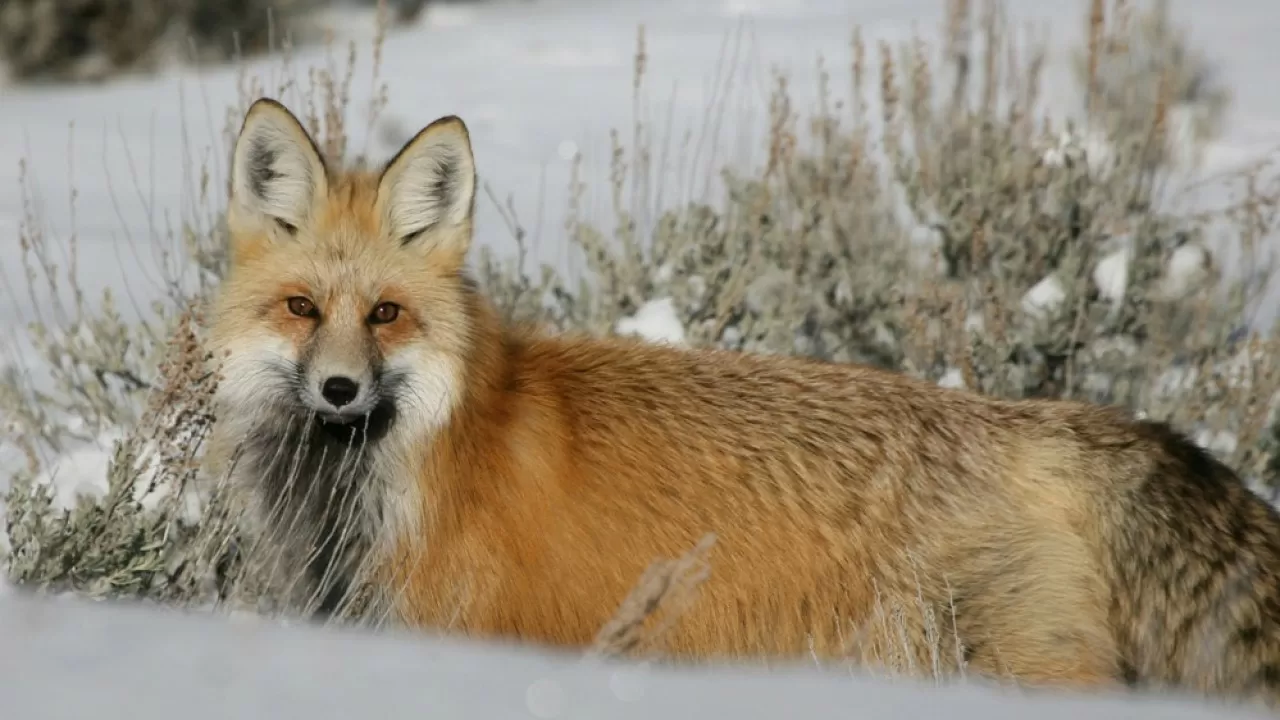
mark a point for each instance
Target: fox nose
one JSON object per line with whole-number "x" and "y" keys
{"x": 339, "y": 390}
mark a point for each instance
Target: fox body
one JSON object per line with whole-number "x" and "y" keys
{"x": 512, "y": 484}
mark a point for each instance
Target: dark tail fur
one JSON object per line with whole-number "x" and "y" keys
{"x": 1195, "y": 558}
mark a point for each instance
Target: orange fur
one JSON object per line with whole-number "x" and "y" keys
{"x": 1072, "y": 543}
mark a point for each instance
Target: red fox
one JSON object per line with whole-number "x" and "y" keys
{"x": 513, "y": 484}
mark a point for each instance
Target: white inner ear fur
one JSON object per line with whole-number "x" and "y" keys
{"x": 276, "y": 170}
{"x": 431, "y": 185}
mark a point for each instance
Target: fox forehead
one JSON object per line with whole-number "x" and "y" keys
{"x": 338, "y": 265}
{"x": 352, "y": 206}
{"x": 346, "y": 250}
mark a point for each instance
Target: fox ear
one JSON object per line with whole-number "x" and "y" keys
{"x": 277, "y": 173}
{"x": 427, "y": 191}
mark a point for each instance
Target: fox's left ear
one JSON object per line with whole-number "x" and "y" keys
{"x": 427, "y": 191}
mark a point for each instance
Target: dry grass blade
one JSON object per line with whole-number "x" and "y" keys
{"x": 656, "y": 603}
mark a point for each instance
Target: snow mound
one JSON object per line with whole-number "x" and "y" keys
{"x": 655, "y": 321}
{"x": 254, "y": 670}
{"x": 83, "y": 472}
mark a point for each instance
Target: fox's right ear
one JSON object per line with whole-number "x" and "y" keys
{"x": 277, "y": 173}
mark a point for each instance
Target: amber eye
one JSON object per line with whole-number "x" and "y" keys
{"x": 302, "y": 307}
{"x": 384, "y": 313}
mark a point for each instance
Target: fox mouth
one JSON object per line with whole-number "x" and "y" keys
{"x": 368, "y": 427}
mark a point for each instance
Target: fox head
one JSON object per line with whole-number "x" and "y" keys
{"x": 344, "y": 299}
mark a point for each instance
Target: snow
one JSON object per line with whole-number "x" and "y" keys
{"x": 1221, "y": 442}
{"x": 1175, "y": 382}
{"x": 1188, "y": 267}
{"x": 80, "y": 472}
{"x": 83, "y": 472}
{"x": 1111, "y": 274}
{"x": 1091, "y": 147}
{"x": 655, "y": 321}
{"x": 953, "y": 378}
{"x": 1044, "y": 297}
{"x": 975, "y": 323}
{"x": 125, "y": 661}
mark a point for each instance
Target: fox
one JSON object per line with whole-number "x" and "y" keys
{"x": 511, "y": 483}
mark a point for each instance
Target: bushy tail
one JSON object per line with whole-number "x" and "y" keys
{"x": 1195, "y": 562}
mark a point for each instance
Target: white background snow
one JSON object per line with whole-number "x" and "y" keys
{"x": 537, "y": 81}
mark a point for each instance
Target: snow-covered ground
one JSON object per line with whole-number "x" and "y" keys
{"x": 124, "y": 662}
{"x": 537, "y": 82}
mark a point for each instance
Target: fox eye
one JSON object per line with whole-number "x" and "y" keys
{"x": 384, "y": 313}
{"x": 302, "y": 307}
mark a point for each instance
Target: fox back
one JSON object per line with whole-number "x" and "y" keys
{"x": 507, "y": 483}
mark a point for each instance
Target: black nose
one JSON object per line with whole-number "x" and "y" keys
{"x": 339, "y": 390}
